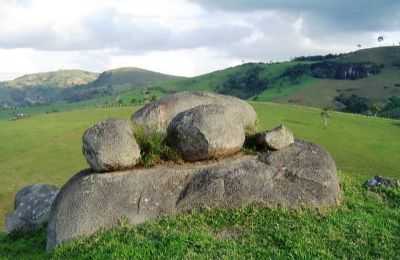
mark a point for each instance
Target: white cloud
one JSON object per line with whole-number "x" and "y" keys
{"x": 176, "y": 36}
{"x": 187, "y": 62}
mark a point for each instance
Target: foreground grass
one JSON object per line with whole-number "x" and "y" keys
{"x": 365, "y": 226}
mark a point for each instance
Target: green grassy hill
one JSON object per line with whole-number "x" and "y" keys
{"x": 280, "y": 82}
{"x": 47, "y": 149}
{"x": 377, "y": 88}
{"x": 270, "y": 82}
{"x": 127, "y": 77}
{"x": 41, "y": 88}
{"x": 285, "y": 82}
{"x": 73, "y": 86}
{"x": 389, "y": 56}
{"x": 215, "y": 81}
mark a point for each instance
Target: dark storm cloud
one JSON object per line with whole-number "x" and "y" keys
{"x": 338, "y": 15}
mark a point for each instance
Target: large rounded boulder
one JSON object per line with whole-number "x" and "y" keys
{"x": 32, "y": 208}
{"x": 110, "y": 145}
{"x": 300, "y": 175}
{"x": 157, "y": 115}
{"x": 206, "y": 132}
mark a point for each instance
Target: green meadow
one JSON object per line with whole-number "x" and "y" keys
{"x": 47, "y": 149}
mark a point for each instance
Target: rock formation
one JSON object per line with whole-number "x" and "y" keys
{"x": 206, "y": 132}
{"x": 276, "y": 139}
{"x": 200, "y": 126}
{"x": 110, "y": 145}
{"x": 301, "y": 175}
{"x": 31, "y": 208}
{"x": 156, "y": 116}
{"x": 380, "y": 181}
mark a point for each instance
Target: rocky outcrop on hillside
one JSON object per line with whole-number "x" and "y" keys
{"x": 301, "y": 175}
{"x": 208, "y": 132}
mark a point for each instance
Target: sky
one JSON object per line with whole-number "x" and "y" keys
{"x": 184, "y": 37}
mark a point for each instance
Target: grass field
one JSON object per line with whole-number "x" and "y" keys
{"x": 365, "y": 226}
{"x": 47, "y": 149}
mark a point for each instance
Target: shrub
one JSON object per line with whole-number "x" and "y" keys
{"x": 296, "y": 72}
{"x": 354, "y": 103}
{"x": 344, "y": 71}
{"x": 154, "y": 149}
{"x": 245, "y": 83}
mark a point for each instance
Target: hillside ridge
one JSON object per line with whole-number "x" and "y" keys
{"x": 364, "y": 81}
{"x": 60, "y": 79}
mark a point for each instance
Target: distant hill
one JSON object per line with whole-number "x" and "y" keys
{"x": 375, "y": 89}
{"x": 74, "y": 86}
{"x": 366, "y": 81}
{"x": 370, "y": 76}
{"x": 293, "y": 82}
{"x": 54, "y": 79}
{"x": 131, "y": 77}
{"x": 114, "y": 82}
{"x": 389, "y": 56}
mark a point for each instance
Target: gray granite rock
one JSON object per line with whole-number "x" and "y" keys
{"x": 157, "y": 115}
{"x": 110, "y": 145}
{"x": 301, "y": 175}
{"x": 32, "y": 208}
{"x": 206, "y": 132}
{"x": 275, "y": 139}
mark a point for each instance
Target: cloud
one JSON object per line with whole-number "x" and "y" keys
{"x": 186, "y": 37}
{"x": 111, "y": 28}
{"x": 355, "y": 15}
{"x": 126, "y": 33}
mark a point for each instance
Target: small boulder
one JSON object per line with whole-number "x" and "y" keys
{"x": 276, "y": 139}
{"x": 206, "y": 132}
{"x": 157, "y": 115}
{"x": 379, "y": 181}
{"x": 32, "y": 208}
{"x": 110, "y": 145}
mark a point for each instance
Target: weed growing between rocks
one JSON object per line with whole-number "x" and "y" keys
{"x": 154, "y": 148}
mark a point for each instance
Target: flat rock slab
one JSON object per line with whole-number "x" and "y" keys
{"x": 301, "y": 175}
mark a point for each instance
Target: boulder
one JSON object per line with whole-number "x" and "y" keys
{"x": 301, "y": 175}
{"x": 380, "y": 181}
{"x": 32, "y": 208}
{"x": 206, "y": 132}
{"x": 156, "y": 116}
{"x": 276, "y": 139}
{"x": 110, "y": 145}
